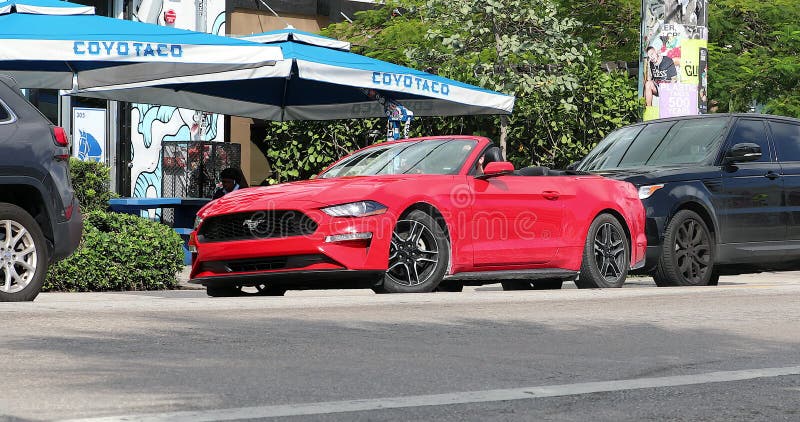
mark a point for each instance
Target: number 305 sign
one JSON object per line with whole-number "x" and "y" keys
{"x": 89, "y": 134}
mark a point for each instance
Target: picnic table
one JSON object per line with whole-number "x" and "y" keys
{"x": 185, "y": 211}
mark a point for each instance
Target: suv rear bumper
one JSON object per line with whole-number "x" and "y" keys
{"x": 67, "y": 234}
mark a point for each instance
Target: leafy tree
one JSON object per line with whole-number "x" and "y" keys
{"x": 754, "y": 48}
{"x": 609, "y": 26}
{"x": 527, "y": 48}
{"x": 754, "y": 55}
{"x": 299, "y": 150}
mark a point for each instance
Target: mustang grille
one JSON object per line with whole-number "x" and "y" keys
{"x": 256, "y": 225}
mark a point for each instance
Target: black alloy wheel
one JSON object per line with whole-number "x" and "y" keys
{"x": 418, "y": 255}
{"x": 606, "y": 254}
{"x": 687, "y": 257}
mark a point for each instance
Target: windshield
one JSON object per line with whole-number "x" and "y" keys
{"x": 691, "y": 141}
{"x": 441, "y": 156}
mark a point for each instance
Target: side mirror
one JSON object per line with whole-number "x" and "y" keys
{"x": 743, "y": 152}
{"x": 573, "y": 165}
{"x": 496, "y": 168}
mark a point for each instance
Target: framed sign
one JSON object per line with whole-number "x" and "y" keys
{"x": 89, "y": 134}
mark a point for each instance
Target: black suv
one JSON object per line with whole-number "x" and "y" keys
{"x": 40, "y": 220}
{"x": 721, "y": 192}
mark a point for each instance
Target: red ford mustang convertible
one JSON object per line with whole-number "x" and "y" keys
{"x": 421, "y": 215}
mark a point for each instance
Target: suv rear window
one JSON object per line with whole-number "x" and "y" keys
{"x": 658, "y": 144}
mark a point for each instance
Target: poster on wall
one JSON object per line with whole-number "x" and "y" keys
{"x": 89, "y": 134}
{"x": 673, "y": 61}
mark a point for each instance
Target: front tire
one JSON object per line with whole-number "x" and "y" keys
{"x": 418, "y": 256}
{"x": 606, "y": 255}
{"x": 23, "y": 255}
{"x": 687, "y": 256}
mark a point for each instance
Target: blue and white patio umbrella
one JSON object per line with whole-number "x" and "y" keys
{"x": 61, "y": 45}
{"x": 318, "y": 81}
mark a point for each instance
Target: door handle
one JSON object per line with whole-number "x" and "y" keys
{"x": 772, "y": 175}
{"x": 551, "y": 195}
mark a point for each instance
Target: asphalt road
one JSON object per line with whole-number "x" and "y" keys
{"x": 639, "y": 353}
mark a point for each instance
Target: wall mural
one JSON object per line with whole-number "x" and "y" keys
{"x": 153, "y": 124}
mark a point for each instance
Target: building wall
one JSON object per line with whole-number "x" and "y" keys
{"x": 153, "y": 124}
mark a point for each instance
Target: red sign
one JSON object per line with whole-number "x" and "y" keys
{"x": 169, "y": 16}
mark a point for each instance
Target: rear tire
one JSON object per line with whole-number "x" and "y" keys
{"x": 687, "y": 256}
{"x": 606, "y": 255}
{"x": 23, "y": 255}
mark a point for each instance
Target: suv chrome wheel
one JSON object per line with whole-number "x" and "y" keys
{"x": 17, "y": 257}
{"x": 23, "y": 255}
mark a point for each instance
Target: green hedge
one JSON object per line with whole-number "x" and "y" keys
{"x": 90, "y": 180}
{"x": 119, "y": 252}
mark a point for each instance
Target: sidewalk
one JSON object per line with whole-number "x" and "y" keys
{"x": 183, "y": 280}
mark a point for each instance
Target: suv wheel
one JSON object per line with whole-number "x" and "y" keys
{"x": 687, "y": 258}
{"x": 23, "y": 255}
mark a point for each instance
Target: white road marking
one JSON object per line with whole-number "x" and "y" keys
{"x": 527, "y": 393}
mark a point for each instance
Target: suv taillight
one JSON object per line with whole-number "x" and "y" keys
{"x": 60, "y": 136}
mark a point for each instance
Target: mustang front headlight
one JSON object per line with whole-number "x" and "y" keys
{"x": 356, "y": 209}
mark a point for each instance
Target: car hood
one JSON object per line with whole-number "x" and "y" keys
{"x": 647, "y": 175}
{"x": 313, "y": 193}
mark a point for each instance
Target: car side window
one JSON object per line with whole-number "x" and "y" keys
{"x": 751, "y": 131}
{"x": 5, "y": 115}
{"x": 787, "y": 140}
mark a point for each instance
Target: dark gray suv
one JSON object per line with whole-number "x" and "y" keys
{"x": 721, "y": 192}
{"x": 40, "y": 220}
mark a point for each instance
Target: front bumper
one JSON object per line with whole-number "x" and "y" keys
{"x": 321, "y": 279}
{"x": 299, "y": 260}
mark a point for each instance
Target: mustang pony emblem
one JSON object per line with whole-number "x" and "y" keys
{"x": 252, "y": 224}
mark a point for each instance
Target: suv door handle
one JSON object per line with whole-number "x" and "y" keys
{"x": 771, "y": 175}
{"x": 551, "y": 195}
